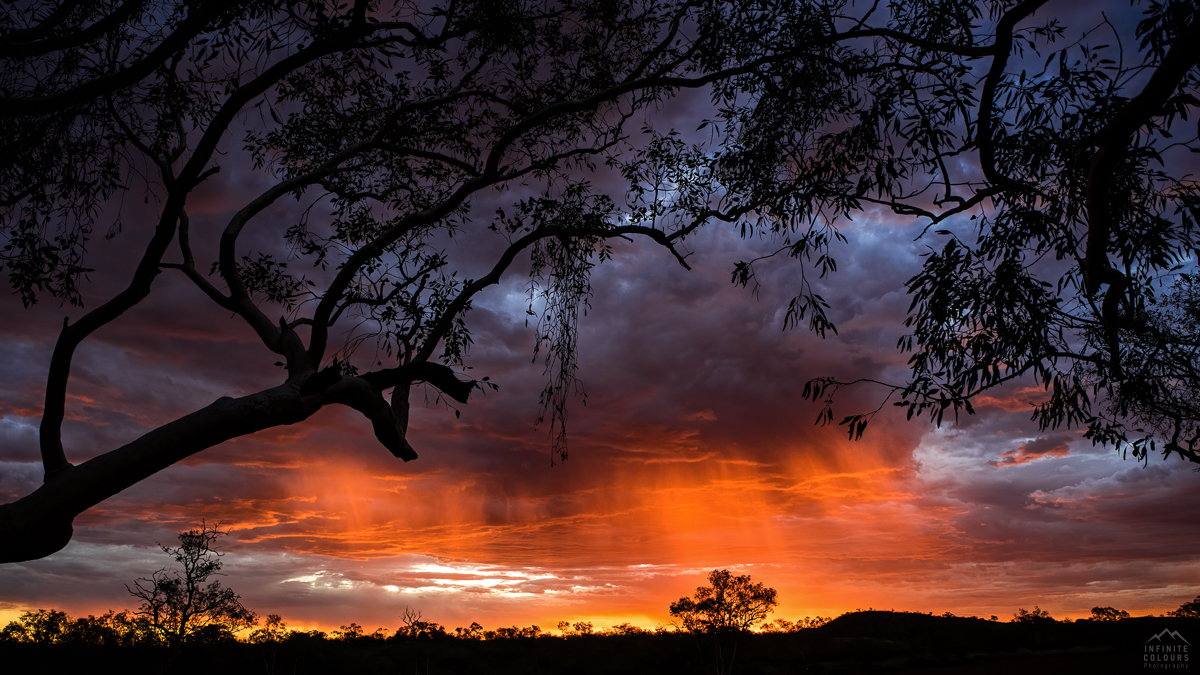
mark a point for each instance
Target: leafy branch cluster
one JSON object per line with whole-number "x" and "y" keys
{"x": 1079, "y": 225}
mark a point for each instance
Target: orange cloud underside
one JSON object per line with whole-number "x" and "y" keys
{"x": 632, "y": 521}
{"x": 655, "y": 520}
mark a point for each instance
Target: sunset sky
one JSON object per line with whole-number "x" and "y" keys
{"x": 694, "y": 451}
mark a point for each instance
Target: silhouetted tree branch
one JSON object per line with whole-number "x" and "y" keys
{"x": 498, "y": 97}
{"x": 392, "y": 119}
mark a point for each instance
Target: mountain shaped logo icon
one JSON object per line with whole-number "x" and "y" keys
{"x": 1170, "y": 633}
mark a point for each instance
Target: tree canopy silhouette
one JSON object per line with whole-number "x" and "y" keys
{"x": 1037, "y": 616}
{"x": 728, "y": 603}
{"x": 1108, "y": 614}
{"x": 388, "y": 119}
{"x": 1077, "y": 266}
{"x": 1189, "y": 610}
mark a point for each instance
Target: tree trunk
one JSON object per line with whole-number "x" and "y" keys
{"x": 40, "y": 523}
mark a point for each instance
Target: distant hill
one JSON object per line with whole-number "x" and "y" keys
{"x": 912, "y": 642}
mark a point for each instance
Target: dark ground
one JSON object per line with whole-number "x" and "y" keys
{"x": 863, "y": 642}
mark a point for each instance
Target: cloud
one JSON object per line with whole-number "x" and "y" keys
{"x": 695, "y": 450}
{"x": 1047, "y": 446}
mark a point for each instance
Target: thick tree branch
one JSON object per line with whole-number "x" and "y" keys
{"x": 106, "y": 84}
{"x": 268, "y": 331}
{"x": 188, "y": 267}
{"x": 1113, "y": 141}
{"x": 985, "y": 126}
{"x": 47, "y": 25}
{"x": 1112, "y": 144}
{"x": 440, "y": 376}
{"x": 53, "y": 455}
{"x": 357, "y": 393}
{"x": 28, "y": 43}
{"x": 39, "y": 524}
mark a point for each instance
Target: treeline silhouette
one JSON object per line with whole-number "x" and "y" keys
{"x": 186, "y": 623}
{"x": 120, "y": 642}
{"x": 125, "y": 629}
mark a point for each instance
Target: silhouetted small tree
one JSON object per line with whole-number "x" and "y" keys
{"x": 270, "y": 636}
{"x": 177, "y": 605}
{"x": 785, "y": 626}
{"x": 1038, "y": 615}
{"x": 274, "y": 630}
{"x": 1188, "y": 610}
{"x": 349, "y": 633}
{"x": 728, "y": 603}
{"x": 472, "y": 632}
{"x": 624, "y": 629}
{"x": 726, "y": 607}
{"x": 414, "y": 627}
{"x": 1108, "y": 614}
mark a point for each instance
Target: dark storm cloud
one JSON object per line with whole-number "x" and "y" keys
{"x": 1046, "y": 446}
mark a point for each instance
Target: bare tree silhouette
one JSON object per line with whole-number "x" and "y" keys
{"x": 178, "y": 604}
